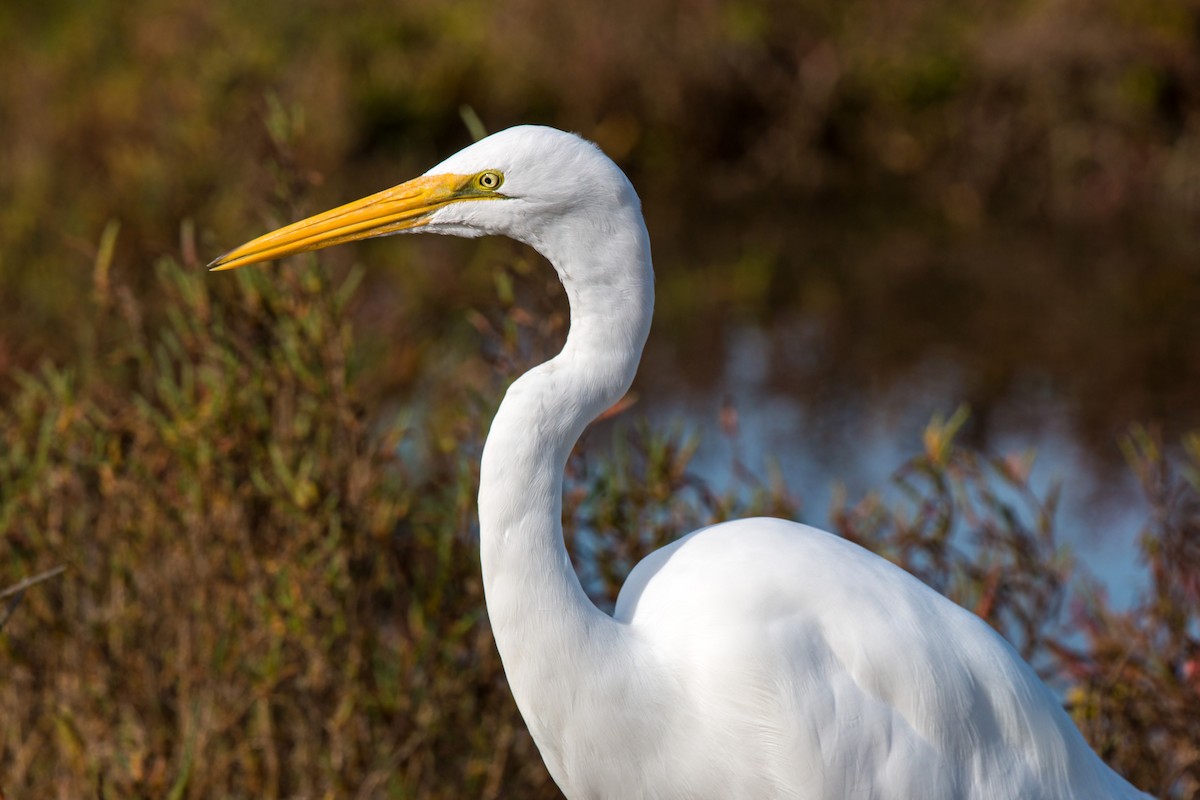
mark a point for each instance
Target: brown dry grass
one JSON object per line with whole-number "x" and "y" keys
{"x": 272, "y": 592}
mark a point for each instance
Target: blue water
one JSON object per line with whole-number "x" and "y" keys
{"x": 858, "y": 447}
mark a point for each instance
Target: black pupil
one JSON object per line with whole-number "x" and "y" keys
{"x": 489, "y": 180}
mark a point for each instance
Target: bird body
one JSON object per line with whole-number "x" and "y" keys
{"x": 753, "y": 659}
{"x": 852, "y": 678}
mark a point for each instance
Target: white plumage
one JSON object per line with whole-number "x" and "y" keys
{"x": 754, "y": 659}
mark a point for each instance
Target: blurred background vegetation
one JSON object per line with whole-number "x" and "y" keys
{"x": 263, "y": 484}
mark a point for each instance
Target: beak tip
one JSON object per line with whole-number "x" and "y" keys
{"x": 220, "y": 264}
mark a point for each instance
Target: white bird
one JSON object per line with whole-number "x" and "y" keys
{"x": 752, "y": 659}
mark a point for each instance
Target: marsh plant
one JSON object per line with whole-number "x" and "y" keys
{"x": 272, "y": 586}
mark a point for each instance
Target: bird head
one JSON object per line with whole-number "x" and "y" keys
{"x": 528, "y": 183}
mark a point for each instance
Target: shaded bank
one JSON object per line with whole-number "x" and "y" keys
{"x": 1011, "y": 189}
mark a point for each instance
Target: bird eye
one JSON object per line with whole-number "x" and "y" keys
{"x": 490, "y": 180}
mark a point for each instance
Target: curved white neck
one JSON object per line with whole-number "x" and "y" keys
{"x": 552, "y": 639}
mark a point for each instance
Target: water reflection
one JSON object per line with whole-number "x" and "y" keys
{"x": 857, "y": 442}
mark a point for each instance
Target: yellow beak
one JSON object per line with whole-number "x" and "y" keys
{"x": 400, "y": 208}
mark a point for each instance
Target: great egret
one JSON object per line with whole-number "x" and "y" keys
{"x": 753, "y": 659}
